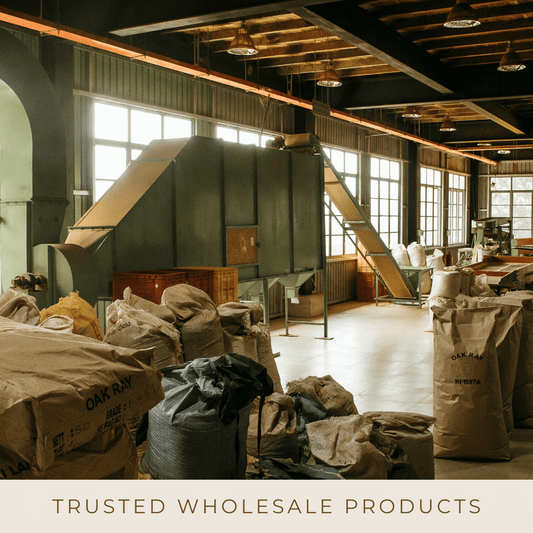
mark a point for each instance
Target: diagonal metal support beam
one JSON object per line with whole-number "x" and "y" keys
{"x": 200, "y": 13}
{"x": 355, "y": 26}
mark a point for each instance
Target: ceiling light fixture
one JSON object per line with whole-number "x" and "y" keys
{"x": 461, "y": 15}
{"x": 447, "y": 125}
{"x": 411, "y": 112}
{"x": 242, "y": 44}
{"x": 484, "y": 144}
{"x": 504, "y": 151}
{"x": 511, "y": 61}
{"x": 329, "y": 78}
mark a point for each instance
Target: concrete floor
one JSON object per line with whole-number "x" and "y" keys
{"x": 382, "y": 355}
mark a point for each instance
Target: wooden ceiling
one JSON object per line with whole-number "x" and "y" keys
{"x": 389, "y": 54}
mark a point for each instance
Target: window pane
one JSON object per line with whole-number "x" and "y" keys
{"x": 110, "y": 122}
{"x": 145, "y": 126}
{"x": 522, "y": 198}
{"x": 337, "y": 245}
{"x": 393, "y": 224}
{"x": 501, "y": 184}
{"x": 374, "y": 167}
{"x": 352, "y": 163}
{"x": 394, "y": 191}
{"x": 394, "y": 208}
{"x": 501, "y": 211}
{"x": 383, "y": 207}
{"x": 228, "y": 134}
{"x": 337, "y": 159}
{"x": 437, "y": 178}
{"x": 522, "y": 234}
{"x": 423, "y": 176}
{"x": 394, "y": 170}
{"x": 135, "y": 154}
{"x": 521, "y": 223}
{"x": 374, "y": 206}
{"x": 522, "y": 184}
{"x": 247, "y": 137}
{"x": 265, "y": 139}
{"x": 384, "y": 168}
{"x": 336, "y": 227}
{"x": 384, "y": 189}
{"x": 393, "y": 240}
{"x": 374, "y": 188}
{"x": 352, "y": 185}
{"x": 109, "y": 161}
{"x": 176, "y": 128}
{"x": 349, "y": 247}
{"x": 501, "y": 198}
{"x": 375, "y": 222}
{"x": 521, "y": 211}
{"x": 383, "y": 224}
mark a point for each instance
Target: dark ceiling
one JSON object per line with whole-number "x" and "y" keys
{"x": 389, "y": 54}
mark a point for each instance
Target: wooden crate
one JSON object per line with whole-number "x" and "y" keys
{"x": 148, "y": 284}
{"x": 366, "y": 287}
{"x": 221, "y": 282}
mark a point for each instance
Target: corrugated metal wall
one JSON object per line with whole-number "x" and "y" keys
{"x": 105, "y": 75}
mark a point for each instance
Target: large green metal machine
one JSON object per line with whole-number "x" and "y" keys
{"x": 197, "y": 201}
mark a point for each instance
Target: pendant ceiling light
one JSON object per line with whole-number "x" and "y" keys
{"x": 329, "y": 78}
{"x": 504, "y": 151}
{"x": 511, "y": 61}
{"x": 461, "y": 15}
{"x": 447, "y": 125}
{"x": 411, "y": 112}
{"x": 242, "y": 44}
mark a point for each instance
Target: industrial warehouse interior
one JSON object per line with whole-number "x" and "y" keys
{"x": 266, "y": 240}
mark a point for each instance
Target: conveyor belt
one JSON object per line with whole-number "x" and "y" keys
{"x": 356, "y": 220}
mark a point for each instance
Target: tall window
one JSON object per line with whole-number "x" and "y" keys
{"x": 511, "y": 197}
{"x": 338, "y": 241}
{"x": 430, "y": 205}
{"x": 385, "y": 199}
{"x": 456, "y": 208}
{"x": 122, "y": 132}
{"x": 242, "y": 136}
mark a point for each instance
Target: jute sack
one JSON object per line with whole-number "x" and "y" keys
{"x": 344, "y": 443}
{"x": 523, "y": 387}
{"x": 508, "y": 334}
{"x": 59, "y": 391}
{"x": 197, "y": 319}
{"x": 158, "y": 310}
{"x": 278, "y": 428}
{"x": 241, "y": 344}
{"x": 85, "y": 320}
{"x": 335, "y": 399}
{"x": 467, "y": 398}
{"x": 412, "y": 433}
{"x": 20, "y": 307}
{"x": 135, "y": 328}
{"x": 111, "y": 455}
{"x": 261, "y": 333}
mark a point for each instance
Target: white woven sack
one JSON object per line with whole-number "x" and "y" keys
{"x": 417, "y": 254}
{"x": 399, "y": 253}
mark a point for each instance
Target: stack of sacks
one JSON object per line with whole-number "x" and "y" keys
{"x": 81, "y": 312}
{"x": 523, "y": 387}
{"x": 72, "y": 391}
{"x": 20, "y": 307}
{"x": 467, "y": 391}
{"x": 444, "y": 290}
{"x": 417, "y": 256}
{"x": 197, "y": 320}
{"x": 245, "y": 334}
{"x": 401, "y": 255}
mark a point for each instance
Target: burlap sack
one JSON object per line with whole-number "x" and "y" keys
{"x": 261, "y": 334}
{"x": 197, "y": 320}
{"x": 242, "y": 344}
{"x": 85, "y": 320}
{"x": 278, "y": 428}
{"x": 467, "y": 399}
{"x": 343, "y": 443}
{"x": 508, "y": 333}
{"x": 412, "y": 433}
{"x": 158, "y": 310}
{"x": 255, "y": 309}
{"x": 523, "y": 387}
{"x": 135, "y": 328}
{"x": 59, "y": 391}
{"x": 20, "y": 307}
{"x": 335, "y": 399}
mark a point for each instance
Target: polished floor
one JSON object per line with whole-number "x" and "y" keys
{"x": 383, "y": 356}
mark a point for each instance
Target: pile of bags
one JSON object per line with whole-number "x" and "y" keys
{"x": 483, "y": 374}
{"x": 315, "y": 431}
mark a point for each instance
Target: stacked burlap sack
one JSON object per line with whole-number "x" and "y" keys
{"x": 314, "y": 431}
{"x": 483, "y": 375}
{"x": 65, "y": 401}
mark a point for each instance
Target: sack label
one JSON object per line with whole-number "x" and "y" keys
{"x": 459, "y": 356}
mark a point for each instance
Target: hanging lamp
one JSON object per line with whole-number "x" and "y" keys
{"x": 411, "y": 112}
{"x": 461, "y": 15}
{"x": 242, "y": 44}
{"x": 447, "y": 125}
{"x": 329, "y": 78}
{"x": 511, "y": 61}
